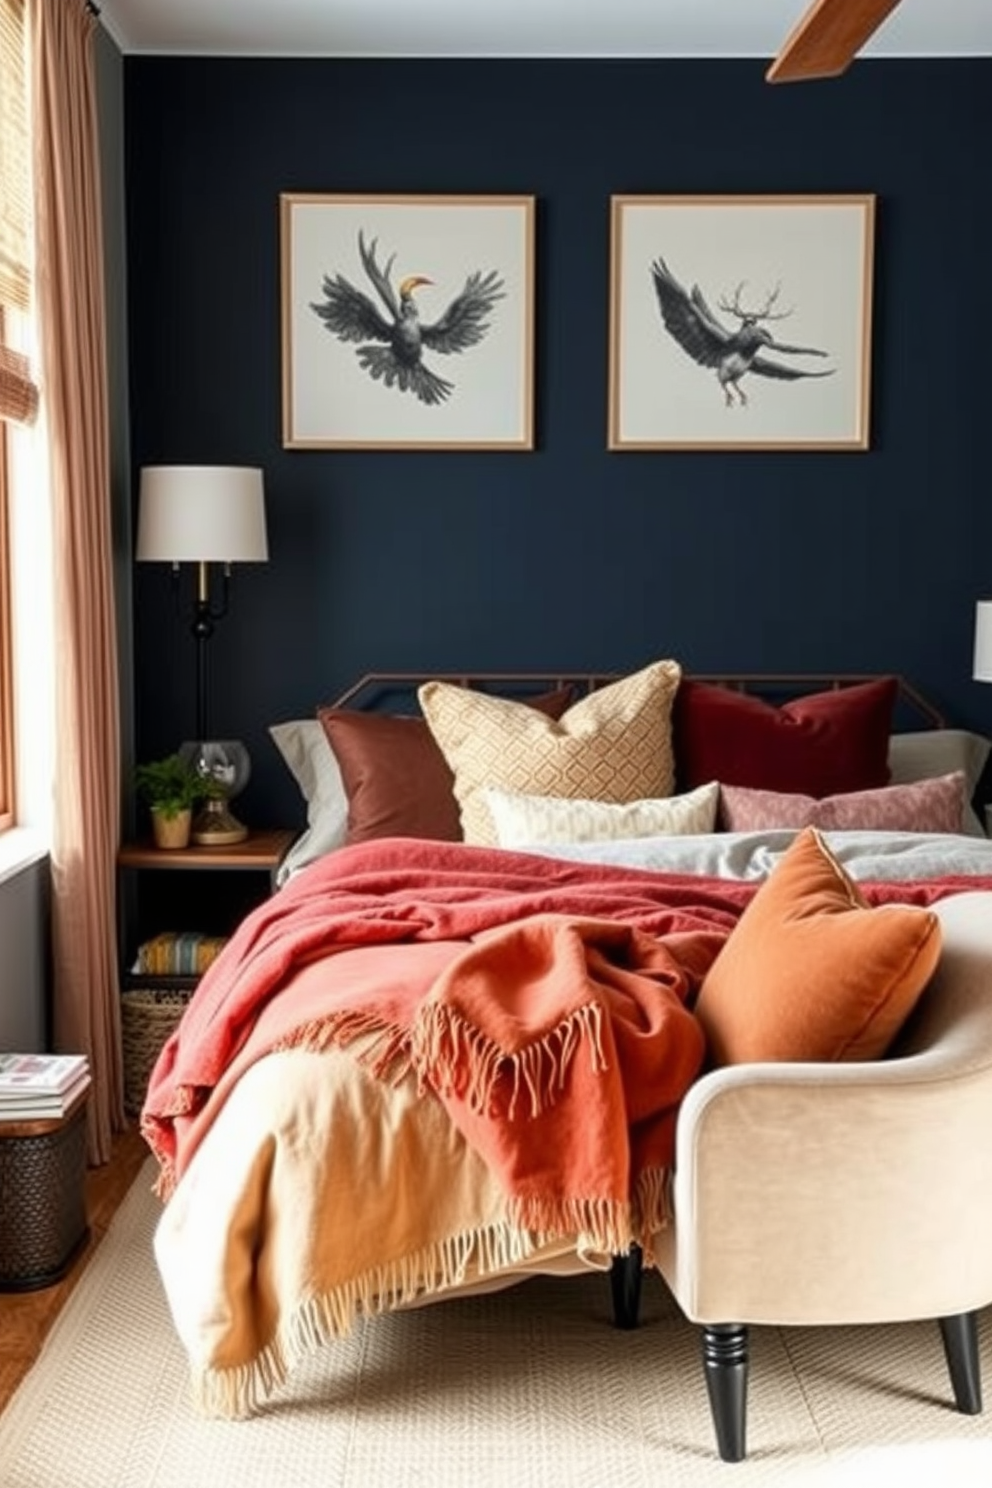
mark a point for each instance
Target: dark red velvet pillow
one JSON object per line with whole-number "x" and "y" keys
{"x": 397, "y": 781}
{"x": 819, "y": 745}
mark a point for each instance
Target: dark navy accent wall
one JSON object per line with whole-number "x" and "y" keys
{"x": 568, "y": 557}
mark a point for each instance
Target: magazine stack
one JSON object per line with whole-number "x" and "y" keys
{"x": 41, "y": 1087}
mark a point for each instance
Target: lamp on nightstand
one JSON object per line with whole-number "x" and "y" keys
{"x": 206, "y": 514}
{"x": 982, "y": 667}
{"x": 982, "y": 670}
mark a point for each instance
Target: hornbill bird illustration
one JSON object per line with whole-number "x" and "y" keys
{"x": 398, "y": 360}
{"x": 689, "y": 319}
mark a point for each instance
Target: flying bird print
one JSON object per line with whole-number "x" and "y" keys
{"x": 731, "y": 353}
{"x": 392, "y": 345}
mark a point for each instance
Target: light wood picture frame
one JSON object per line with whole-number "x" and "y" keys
{"x": 740, "y": 322}
{"x": 407, "y": 321}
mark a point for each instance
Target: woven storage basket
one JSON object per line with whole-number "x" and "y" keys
{"x": 148, "y": 1016}
{"x": 42, "y": 1199}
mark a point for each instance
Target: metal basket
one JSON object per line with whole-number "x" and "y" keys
{"x": 42, "y": 1200}
{"x": 148, "y": 1016}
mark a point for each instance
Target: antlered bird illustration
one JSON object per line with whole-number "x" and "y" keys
{"x": 393, "y": 345}
{"x": 732, "y": 353}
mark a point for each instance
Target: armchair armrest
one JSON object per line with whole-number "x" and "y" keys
{"x": 808, "y": 1193}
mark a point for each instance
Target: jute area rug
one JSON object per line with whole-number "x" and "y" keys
{"x": 527, "y": 1388}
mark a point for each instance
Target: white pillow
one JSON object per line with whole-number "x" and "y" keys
{"x": 554, "y": 820}
{"x": 305, "y": 749}
{"x": 935, "y": 752}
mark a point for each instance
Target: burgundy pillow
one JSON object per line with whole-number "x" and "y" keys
{"x": 397, "y": 781}
{"x": 820, "y": 745}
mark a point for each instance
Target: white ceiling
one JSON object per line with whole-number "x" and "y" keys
{"x": 521, "y": 28}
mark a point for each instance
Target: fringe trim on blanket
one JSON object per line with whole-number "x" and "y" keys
{"x": 457, "y": 1058}
{"x": 240, "y": 1391}
{"x": 600, "y": 1224}
{"x": 165, "y": 1180}
{"x": 386, "y": 1052}
{"x": 652, "y": 1208}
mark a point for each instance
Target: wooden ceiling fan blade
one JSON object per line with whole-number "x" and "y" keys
{"x": 827, "y": 38}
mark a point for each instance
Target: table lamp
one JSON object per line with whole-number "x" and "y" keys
{"x": 206, "y": 514}
{"x": 982, "y": 669}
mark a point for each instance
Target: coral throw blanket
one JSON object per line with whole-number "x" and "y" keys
{"x": 543, "y": 1003}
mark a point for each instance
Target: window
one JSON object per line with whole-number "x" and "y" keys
{"x": 18, "y": 393}
{"x": 6, "y": 677}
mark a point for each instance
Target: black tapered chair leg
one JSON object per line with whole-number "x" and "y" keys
{"x": 625, "y": 1285}
{"x": 960, "y": 1335}
{"x": 725, "y": 1362}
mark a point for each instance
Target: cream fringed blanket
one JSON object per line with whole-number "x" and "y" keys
{"x": 271, "y": 1246}
{"x": 496, "y": 1048}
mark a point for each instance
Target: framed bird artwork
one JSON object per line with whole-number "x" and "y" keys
{"x": 407, "y": 321}
{"x": 740, "y": 322}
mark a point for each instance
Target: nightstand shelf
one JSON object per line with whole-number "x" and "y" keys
{"x": 172, "y": 896}
{"x": 259, "y": 851}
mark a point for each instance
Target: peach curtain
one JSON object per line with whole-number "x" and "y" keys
{"x": 69, "y": 267}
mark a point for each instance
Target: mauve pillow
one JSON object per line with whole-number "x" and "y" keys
{"x": 811, "y": 970}
{"x": 938, "y": 751}
{"x": 926, "y": 806}
{"x": 397, "y": 780}
{"x": 818, "y": 745}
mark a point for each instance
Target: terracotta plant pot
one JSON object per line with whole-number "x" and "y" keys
{"x": 171, "y": 831}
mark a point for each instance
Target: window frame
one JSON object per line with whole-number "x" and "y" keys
{"x": 7, "y": 777}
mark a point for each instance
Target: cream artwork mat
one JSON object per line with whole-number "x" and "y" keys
{"x": 407, "y": 321}
{"x": 705, "y": 291}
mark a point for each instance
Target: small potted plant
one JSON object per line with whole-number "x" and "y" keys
{"x": 171, "y": 787}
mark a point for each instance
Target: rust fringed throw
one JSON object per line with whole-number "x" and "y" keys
{"x": 549, "y": 1042}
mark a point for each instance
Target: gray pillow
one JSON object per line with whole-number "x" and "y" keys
{"x": 310, "y": 758}
{"x": 934, "y": 752}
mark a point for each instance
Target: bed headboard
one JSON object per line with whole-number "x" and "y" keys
{"x": 381, "y": 689}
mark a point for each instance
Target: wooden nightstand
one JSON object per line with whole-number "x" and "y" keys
{"x": 259, "y": 851}
{"x": 162, "y": 890}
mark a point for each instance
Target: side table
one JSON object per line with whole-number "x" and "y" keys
{"x": 43, "y": 1224}
{"x": 151, "y": 1006}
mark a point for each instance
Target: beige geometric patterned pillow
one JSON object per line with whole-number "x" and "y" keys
{"x": 614, "y": 745}
{"x": 523, "y": 821}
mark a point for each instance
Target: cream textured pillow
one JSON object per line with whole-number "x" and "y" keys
{"x": 550, "y": 820}
{"x": 614, "y": 745}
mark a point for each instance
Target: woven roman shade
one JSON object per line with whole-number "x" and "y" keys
{"x": 18, "y": 392}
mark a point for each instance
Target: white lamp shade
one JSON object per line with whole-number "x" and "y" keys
{"x": 983, "y": 641}
{"x": 201, "y": 514}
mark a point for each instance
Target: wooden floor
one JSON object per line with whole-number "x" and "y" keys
{"x": 25, "y": 1317}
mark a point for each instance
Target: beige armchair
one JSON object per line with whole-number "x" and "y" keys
{"x": 842, "y": 1193}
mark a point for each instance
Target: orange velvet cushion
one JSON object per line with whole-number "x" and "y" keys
{"x": 811, "y": 971}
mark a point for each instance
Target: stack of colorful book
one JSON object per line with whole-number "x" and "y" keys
{"x": 41, "y": 1087}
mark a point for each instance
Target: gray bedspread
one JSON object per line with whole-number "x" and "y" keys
{"x": 752, "y": 855}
